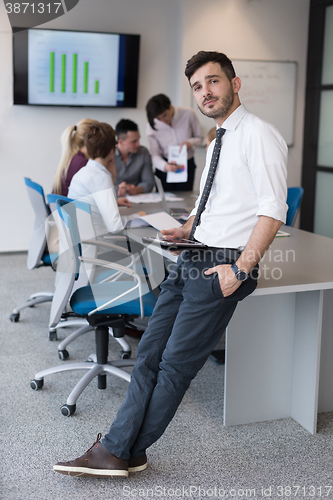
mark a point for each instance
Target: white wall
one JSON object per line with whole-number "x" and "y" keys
{"x": 171, "y": 32}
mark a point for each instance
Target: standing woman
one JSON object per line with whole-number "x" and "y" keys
{"x": 74, "y": 155}
{"x": 171, "y": 126}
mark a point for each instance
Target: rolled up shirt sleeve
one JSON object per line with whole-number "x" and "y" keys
{"x": 267, "y": 159}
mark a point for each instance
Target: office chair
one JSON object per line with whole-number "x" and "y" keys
{"x": 90, "y": 247}
{"x": 294, "y": 199}
{"x": 38, "y": 253}
{"x": 104, "y": 305}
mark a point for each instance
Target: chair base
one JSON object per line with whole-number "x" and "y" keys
{"x": 93, "y": 370}
{"x": 33, "y": 300}
{"x": 97, "y": 366}
{"x": 63, "y": 354}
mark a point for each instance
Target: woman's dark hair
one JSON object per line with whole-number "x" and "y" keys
{"x": 156, "y": 106}
{"x": 202, "y": 58}
{"x": 100, "y": 140}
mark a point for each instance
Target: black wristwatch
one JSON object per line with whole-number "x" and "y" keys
{"x": 240, "y": 275}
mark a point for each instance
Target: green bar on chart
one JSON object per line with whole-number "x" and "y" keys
{"x": 85, "y": 77}
{"x": 74, "y": 88}
{"x": 51, "y": 71}
{"x": 63, "y": 72}
{"x": 96, "y": 86}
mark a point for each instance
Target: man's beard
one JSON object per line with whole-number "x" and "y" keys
{"x": 222, "y": 110}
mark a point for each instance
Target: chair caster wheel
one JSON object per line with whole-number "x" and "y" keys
{"x": 52, "y": 335}
{"x": 125, "y": 354}
{"x": 36, "y": 384}
{"x": 14, "y": 317}
{"x": 63, "y": 355}
{"x": 68, "y": 410}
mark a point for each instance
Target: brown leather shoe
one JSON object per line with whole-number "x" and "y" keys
{"x": 96, "y": 462}
{"x": 137, "y": 464}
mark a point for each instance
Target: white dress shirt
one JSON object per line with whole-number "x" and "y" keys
{"x": 93, "y": 184}
{"x": 250, "y": 180}
{"x": 185, "y": 126}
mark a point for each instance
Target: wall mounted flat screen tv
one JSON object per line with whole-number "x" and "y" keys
{"x": 75, "y": 68}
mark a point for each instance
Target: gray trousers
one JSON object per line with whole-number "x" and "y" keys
{"x": 189, "y": 318}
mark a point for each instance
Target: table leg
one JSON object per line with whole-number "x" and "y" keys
{"x": 272, "y": 359}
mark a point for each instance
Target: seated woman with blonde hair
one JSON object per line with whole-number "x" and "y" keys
{"x": 74, "y": 154}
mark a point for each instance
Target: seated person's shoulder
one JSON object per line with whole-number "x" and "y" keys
{"x": 143, "y": 151}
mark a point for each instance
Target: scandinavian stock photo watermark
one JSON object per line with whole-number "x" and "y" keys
{"x": 271, "y": 265}
{"x": 199, "y": 491}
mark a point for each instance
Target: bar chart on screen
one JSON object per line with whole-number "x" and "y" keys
{"x": 73, "y": 69}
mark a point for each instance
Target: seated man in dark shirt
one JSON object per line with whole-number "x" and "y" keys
{"x": 133, "y": 161}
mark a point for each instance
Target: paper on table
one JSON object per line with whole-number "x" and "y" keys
{"x": 159, "y": 220}
{"x": 180, "y": 157}
{"x": 152, "y": 198}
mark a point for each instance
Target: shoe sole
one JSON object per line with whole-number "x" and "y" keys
{"x": 85, "y": 472}
{"x": 138, "y": 468}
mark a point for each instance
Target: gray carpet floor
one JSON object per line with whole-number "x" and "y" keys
{"x": 196, "y": 457}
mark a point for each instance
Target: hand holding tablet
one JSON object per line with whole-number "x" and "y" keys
{"x": 175, "y": 244}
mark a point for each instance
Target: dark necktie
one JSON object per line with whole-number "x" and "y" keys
{"x": 209, "y": 180}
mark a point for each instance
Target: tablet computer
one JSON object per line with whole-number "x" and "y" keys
{"x": 177, "y": 244}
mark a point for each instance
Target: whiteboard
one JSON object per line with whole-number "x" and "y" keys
{"x": 268, "y": 90}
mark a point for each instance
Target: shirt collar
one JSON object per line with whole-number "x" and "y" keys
{"x": 98, "y": 165}
{"x": 231, "y": 123}
{"x": 118, "y": 154}
{"x": 175, "y": 113}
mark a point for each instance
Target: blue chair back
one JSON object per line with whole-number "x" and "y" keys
{"x": 68, "y": 264}
{"x": 52, "y": 199}
{"x": 37, "y": 246}
{"x": 294, "y": 199}
{"x": 67, "y": 213}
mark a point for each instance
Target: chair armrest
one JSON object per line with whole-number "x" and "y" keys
{"x": 123, "y": 269}
{"x": 109, "y": 265}
{"x": 106, "y": 244}
{"x": 119, "y": 237}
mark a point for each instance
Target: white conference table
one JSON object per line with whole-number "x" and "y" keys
{"x": 280, "y": 339}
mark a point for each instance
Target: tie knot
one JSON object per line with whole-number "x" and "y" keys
{"x": 219, "y": 133}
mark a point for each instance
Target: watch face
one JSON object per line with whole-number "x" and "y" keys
{"x": 241, "y": 276}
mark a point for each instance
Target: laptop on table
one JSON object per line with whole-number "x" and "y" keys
{"x": 176, "y": 212}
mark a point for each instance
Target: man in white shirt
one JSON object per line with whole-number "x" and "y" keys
{"x": 245, "y": 208}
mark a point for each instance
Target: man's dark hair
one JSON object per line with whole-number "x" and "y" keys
{"x": 202, "y": 58}
{"x": 156, "y": 106}
{"x": 100, "y": 140}
{"x": 124, "y": 126}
